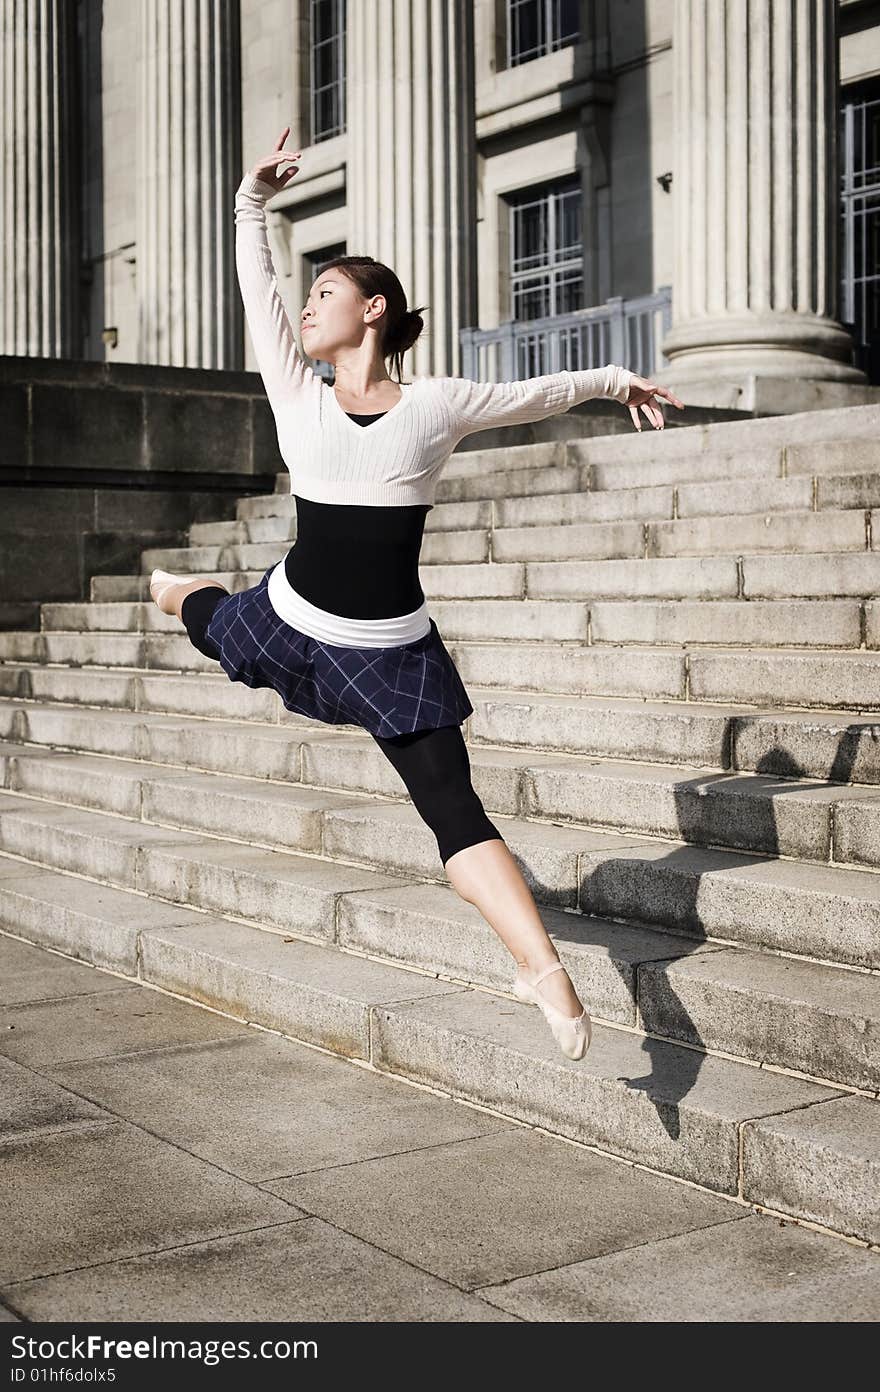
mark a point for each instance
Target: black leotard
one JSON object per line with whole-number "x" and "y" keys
{"x": 355, "y": 560}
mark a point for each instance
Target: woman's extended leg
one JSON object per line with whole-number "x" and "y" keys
{"x": 435, "y": 768}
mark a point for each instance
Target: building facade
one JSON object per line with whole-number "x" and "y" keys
{"x": 691, "y": 187}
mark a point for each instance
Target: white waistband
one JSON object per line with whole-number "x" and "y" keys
{"x": 336, "y": 629}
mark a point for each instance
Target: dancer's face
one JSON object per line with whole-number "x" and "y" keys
{"x": 338, "y": 317}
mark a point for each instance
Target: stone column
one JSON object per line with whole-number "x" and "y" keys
{"x": 410, "y": 176}
{"x": 189, "y": 152}
{"x": 757, "y": 208}
{"x": 39, "y": 279}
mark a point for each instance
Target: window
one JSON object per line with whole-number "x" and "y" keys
{"x": 536, "y": 27}
{"x": 327, "y": 68}
{"x": 546, "y": 260}
{"x": 859, "y": 131}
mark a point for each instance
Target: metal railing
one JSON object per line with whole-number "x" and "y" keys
{"x": 628, "y": 332}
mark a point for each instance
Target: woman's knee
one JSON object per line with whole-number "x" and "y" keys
{"x": 435, "y": 769}
{"x": 196, "y": 613}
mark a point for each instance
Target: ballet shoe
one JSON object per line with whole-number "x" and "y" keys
{"x": 161, "y": 580}
{"x": 573, "y": 1034}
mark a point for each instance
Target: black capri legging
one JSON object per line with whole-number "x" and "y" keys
{"x": 433, "y": 763}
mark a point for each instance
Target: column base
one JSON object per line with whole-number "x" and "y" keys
{"x": 769, "y": 364}
{"x": 768, "y": 396}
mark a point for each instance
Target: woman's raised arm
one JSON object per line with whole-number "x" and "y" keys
{"x": 281, "y": 367}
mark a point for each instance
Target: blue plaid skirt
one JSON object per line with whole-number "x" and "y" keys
{"x": 387, "y": 691}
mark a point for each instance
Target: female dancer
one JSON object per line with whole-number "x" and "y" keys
{"x": 340, "y": 627}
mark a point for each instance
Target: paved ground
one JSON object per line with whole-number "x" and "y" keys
{"x": 163, "y": 1162}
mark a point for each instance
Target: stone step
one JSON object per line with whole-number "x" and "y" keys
{"x": 792, "y": 817}
{"x": 278, "y": 528}
{"x": 695, "y": 1116}
{"x": 769, "y": 677}
{"x": 751, "y": 534}
{"x": 815, "y": 911}
{"x": 830, "y": 457}
{"x": 823, "y": 745}
{"x": 759, "y": 1007}
{"x": 143, "y": 615}
{"x": 820, "y": 575}
{"x": 512, "y": 482}
{"x": 857, "y": 427}
{"x": 763, "y": 463}
{"x": 274, "y": 517}
{"x": 795, "y": 818}
{"x": 116, "y": 589}
{"x": 809, "y": 623}
{"x": 790, "y": 533}
{"x": 555, "y": 659}
{"x": 507, "y": 458}
{"x": 406, "y": 922}
{"x": 444, "y": 547}
{"x": 776, "y": 623}
{"x": 745, "y": 1003}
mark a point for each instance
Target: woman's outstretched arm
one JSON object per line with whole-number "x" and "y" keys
{"x": 281, "y": 367}
{"x": 481, "y": 405}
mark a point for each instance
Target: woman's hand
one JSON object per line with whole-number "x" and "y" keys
{"x": 642, "y": 394}
{"x": 266, "y": 167}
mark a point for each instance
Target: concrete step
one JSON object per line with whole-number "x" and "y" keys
{"x": 213, "y": 561}
{"x": 770, "y": 677}
{"x": 814, "y": 744}
{"x": 816, "y": 911}
{"x": 510, "y": 482}
{"x": 857, "y": 427}
{"x": 783, "y": 905}
{"x": 782, "y": 623}
{"x": 811, "y": 1019}
{"x": 748, "y": 534}
{"x": 820, "y": 575}
{"x": 793, "y": 533}
{"x": 795, "y": 623}
{"x": 709, "y": 994}
{"x": 141, "y": 614}
{"x": 694, "y": 1116}
{"x": 278, "y": 528}
{"x": 274, "y": 516}
{"x": 556, "y": 660}
{"x": 427, "y": 927}
{"x": 795, "y": 818}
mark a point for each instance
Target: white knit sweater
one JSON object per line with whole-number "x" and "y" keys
{"x": 397, "y": 459}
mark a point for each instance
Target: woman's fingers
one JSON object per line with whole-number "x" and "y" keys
{"x": 268, "y": 166}
{"x": 272, "y": 161}
{"x": 664, "y": 391}
{"x": 651, "y": 410}
{"x": 645, "y": 396}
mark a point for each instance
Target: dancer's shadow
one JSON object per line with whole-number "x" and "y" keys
{"x": 715, "y": 823}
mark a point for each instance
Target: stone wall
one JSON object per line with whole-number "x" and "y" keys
{"x": 99, "y": 461}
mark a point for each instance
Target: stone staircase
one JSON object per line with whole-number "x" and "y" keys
{"x": 671, "y": 645}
